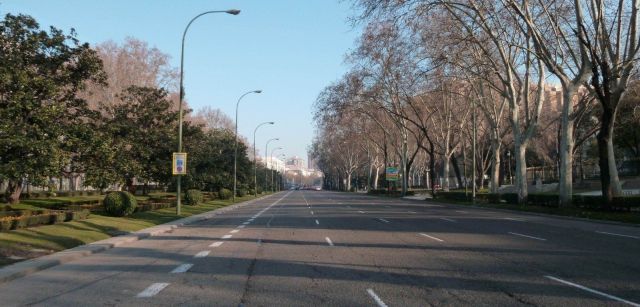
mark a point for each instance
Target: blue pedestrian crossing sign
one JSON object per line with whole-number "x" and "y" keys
{"x": 179, "y": 163}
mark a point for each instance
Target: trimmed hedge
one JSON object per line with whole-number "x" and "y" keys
{"x": 28, "y": 220}
{"x": 224, "y": 193}
{"x": 142, "y": 207}
{"x": 393, "y": 192}
{"x": 587, "y": 202}
{"x": 193, "y": 197}
{"x": 119, "y": 203}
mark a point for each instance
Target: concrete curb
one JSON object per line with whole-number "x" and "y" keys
{"x": 24, "y": 268}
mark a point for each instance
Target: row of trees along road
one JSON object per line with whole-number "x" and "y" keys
{"x": 107, "y": 113}
{"x": 542, "y": 78}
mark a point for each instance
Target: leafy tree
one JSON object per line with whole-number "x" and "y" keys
{"x": 40, "y": 74}
{"x": 141, "y": 134}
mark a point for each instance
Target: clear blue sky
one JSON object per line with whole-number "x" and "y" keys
{"x": 289, "y": 49}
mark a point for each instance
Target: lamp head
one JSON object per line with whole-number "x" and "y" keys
{"x": 271, "y": 123}
{"x": 257, "y": 91}
{"x": 233, "y": 12}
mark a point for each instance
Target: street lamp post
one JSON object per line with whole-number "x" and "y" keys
{"x": 277, "y": 148}
{"x": 266, "y": 147}
{"x": 235, "y": 153}
{"x": 184, "y": 34}
{"x": 255, "y": 161}
{"x": 283, "y": 156}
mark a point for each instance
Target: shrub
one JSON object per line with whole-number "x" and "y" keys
{"x": 259, "y": 190}
{"x": 510, "y": 198}
{"x": 193, "y": 197}
{"x": 224, "y": 193}
{"x": 241, "y": 192}
{"x": 119, "y": 203}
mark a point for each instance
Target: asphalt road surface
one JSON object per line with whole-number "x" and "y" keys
{"x": 308, "y": 248}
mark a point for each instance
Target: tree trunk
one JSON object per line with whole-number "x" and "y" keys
{"x": 521, "y": 172}
{"x": 456, "y": 170}
{"x": 495, "y": 166}
{"x": 14, "y": 189}
{"x": 445, "y": 174}
{"x": 348, "y": 182}
{"x": 606, "y": 160}
{"x": 376, "y": 177}
{"x": 566, "y": 150}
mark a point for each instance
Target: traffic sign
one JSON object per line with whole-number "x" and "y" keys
{"x": 392, "y": 174}
{"x": 179, "y": 163}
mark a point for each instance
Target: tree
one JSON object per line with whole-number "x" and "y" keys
{"x": 142, "y": 134}
{"x": 41, "y": 74}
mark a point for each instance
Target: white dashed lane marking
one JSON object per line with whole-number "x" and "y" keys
{"x": 216, "y": 244}
{"x": 152, "y": 290}
{"x": 227, "y": 236}
{"x": 617, "y": 234}
{"x": 317, "y": 223}
{"x": 527, "y": 236}
{"x": 615, "y": 298}
{"x": 182, "y": 268}
{"x": 202, "y": 254}
{"x": 431, "y": 237}
{"x": 234, "y": 231}
{"x": 447, "y": 219}
{"x": 376, "y": 298}
{"x": 329, "y": 241}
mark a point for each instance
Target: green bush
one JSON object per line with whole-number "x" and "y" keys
{"x": 224, "y": 193}
{"x": 510, "y": 198}
{"x": 193, "y": 197}
{"x": 241, "y": 192}
{"x": 119, "y": 203}
{"x": 259, "y": 190}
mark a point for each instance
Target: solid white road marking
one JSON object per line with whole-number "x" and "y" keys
{"x": 615, "y": 298}
{"x": 182, "y": 268}
{"x": 216, "y": 244}
{"x": 526, "y": 236}
{"x": 376, "y": 298}
{"x": 202, "y": 254}
{"x": 412, "y": 212}
{"x": 431, "y": 237}
{"x": 384, "y": 220}
{"x": 447, "y": 219}
{"x": 328, "y": 241}
{"x": 153, "y": 289}
{"x": 361, "y": 211}
{"x": 317, "y": 223}
{"x": 241, "y": 226}
{"x": 234, "y": 231}
{"x": 227, "y": 236}
{"x": 617, "y": 234}
{"x": 460, "y": 211}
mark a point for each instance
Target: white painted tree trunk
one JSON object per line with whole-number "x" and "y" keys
{"x": 376, "y": 177}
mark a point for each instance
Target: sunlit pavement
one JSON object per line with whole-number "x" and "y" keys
{"x": 328, "y": 248}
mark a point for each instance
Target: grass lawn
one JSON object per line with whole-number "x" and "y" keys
{"x": 626, "y": 217}
{"x": 37, "y": 241}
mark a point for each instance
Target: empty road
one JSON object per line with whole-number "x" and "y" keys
{"x": 299, "y": 248}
